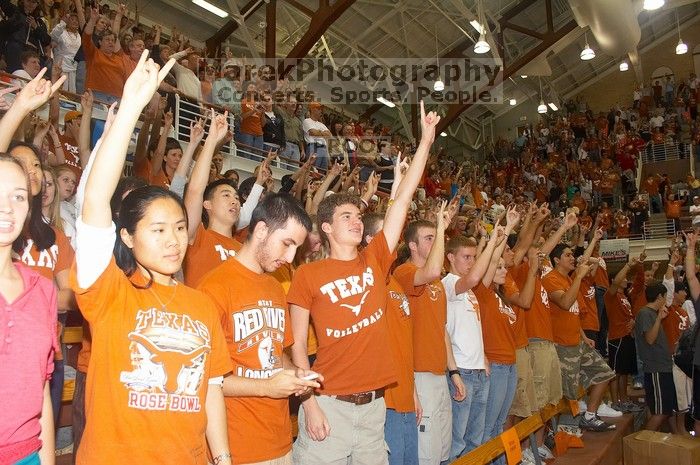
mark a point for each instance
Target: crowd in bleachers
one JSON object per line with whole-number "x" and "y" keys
{"x": 416, "y": 304}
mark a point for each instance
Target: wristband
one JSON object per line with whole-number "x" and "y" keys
{"x": 453, "y": 372}
{"x": 221, "y": 457}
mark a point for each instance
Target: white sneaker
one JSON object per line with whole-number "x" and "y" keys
{"x": 582, "y": 406}
{"x": 545, "y": 453}
{"x": 607, "y": 411}
{"x": 528, "y": 458}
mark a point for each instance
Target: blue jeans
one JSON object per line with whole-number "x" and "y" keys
{"x": 251, "y": 140}
{"x": 469, "y": 415}
{"x": 291, "y": 152}
{"x": 401, "y": 435}
{"x": 502, "y": 384}
{"x": 321, "y": 152}
{"x": 104, "y": 98}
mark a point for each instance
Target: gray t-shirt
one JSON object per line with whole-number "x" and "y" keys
{"x": 656, "y": 357}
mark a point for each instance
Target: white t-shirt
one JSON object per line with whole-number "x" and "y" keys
{"x": 313, "y": 124}
{"x": 464, "y": 326}
{"x": 656, "y": 121}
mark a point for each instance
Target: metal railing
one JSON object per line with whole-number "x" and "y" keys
{"x": 658, "y": 229}
{"x": 666, "y": 151}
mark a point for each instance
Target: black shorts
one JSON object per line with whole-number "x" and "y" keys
{"x": 696, "y": 393}
{"x": 622, "y": 355}
{"x": 660, "y": 393}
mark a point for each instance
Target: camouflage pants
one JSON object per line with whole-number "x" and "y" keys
{"x": 582, "y": 365}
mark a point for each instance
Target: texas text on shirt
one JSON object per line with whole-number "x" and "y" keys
{"x": 158, "y": 348}
{"x": 51, "y": 261}
{"x": 254, "y": 317}
{"x": 566, "y": 324}
{"x": 208, "y": 251}
{"x": 347, "y": 303}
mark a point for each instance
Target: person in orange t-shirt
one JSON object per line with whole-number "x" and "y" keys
{"x": 621, "y": 347}
{"x": 403, "y": 409}
{"x": 497, "y": 322}
{"x": 580, "y": 362}
{"x": 420, "y": 279}
{"x": 161, "y": 349}
{"x": 346, "y": 297}
{"x": 676, "y": 322}
{"x": 216, "y": 205}
{"x": 673, "y": 210}
{"x": 525, "y": 402}
{"x": 255, "y": 318}
{"x": 105, "y": 66}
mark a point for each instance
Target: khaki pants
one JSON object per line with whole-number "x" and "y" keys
{"x": 357, "y": 435}
{"x": 286, "y": 460}
{"x": 435, "y": 429}
{"x": 524, "y": 402}
{"x": 546, "y": 372}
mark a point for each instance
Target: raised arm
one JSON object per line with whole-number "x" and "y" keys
{"x": 194, "y": 196}
{"x": 84, "y": 134}
{"x": 34, "y": 94}
{"x": 80, "y": 11}
{"x": 622, "y": 275}
{"x": 480, "y": 267}
{"x": 159, "y": 154}
{"x": 597, "y": 236}
{"x": 556, "y": 236}
{"x": 109, "y": 159}
{"x": 565, "y": 299}
{"x": 396, "y": 214}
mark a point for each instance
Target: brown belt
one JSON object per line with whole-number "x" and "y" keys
{"x": 362, "y": 398}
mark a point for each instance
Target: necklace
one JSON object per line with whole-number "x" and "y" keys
{"x": 163, "y": 305}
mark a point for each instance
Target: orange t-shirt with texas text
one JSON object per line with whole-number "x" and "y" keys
{"x": 587, "y": 306}
{"x": 566, "y": 324}
{"x": 674, "y": 324}
{"x": 429, "y": 307}
{"x": 49, "y": 262}
{"x": 619, "y": 311}
{"x": 347, "y": 301}
{"x": 510, "y": 288}
{"x": 154, "y": 352}
{"x": 497, "y": 321}
{"x": 209, "y": 250}
{"x": 255, "y": 318}
{"x": 399, "y": 396}
{"x": 537, "y": 319}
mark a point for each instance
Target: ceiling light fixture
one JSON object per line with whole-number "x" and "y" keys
{"x": 477, "y": 25}
{"x": 482, "y": 46}
{"x": 524, "y": 76}
{"x": 513, "y": 102}
{"x": 386, "y": 102}
{"x": 211, "y": 8}
{"x": 651, "y": 5}
{"x": 682, "y": 47}
{"x": 587, "y": 53}
{"x": 553, "y": 106}
{"x": 438, "y": 86}
{"x": 443, "y": 134}
{"x": 624, "y": 66}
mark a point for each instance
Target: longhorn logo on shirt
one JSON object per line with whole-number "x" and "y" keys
{"x": 682, "y": 321}
{"x": 507, "y": 310}
{"x": 434, "y": 292}
{"x": 224, "y": 253}
{"x": 168, "y": 356}
{"x": 356, "y": 309}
